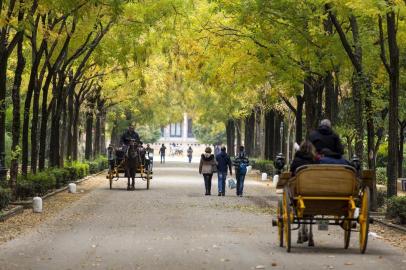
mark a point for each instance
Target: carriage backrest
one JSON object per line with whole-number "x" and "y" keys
{"x": 325, "y": 180}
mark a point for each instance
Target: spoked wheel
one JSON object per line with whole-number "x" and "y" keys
{"x": 347, "y": 233}
{"x": 279, "y": 215}
{"x": 287, "y": 219}
{"x": 363, "y": 220}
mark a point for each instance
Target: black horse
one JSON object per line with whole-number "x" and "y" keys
{"x": 133, "y": 163}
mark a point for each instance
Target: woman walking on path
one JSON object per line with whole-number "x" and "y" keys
{"x": 207, "y": 167}
{"x": 240, "y": 163}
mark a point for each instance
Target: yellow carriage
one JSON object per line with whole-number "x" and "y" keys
{"x": 324, "y": 193}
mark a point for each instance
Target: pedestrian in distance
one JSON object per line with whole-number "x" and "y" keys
{"x": 190, "y": 154}
{"x": 223, "y": 165}
{"x": 162, "y": 153}
{"x": 240, "y": 163}
{"x": 207, "y": 167}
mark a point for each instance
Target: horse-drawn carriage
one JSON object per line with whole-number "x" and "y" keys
{"x": 131, "y": 162}
{"x": 324, "y": 195}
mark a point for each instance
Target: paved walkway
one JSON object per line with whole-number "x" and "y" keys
{"x": 174, "y": 226}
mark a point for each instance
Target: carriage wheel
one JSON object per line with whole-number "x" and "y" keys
{"x": 287, "y": 216}
{"x": 148, "y": 179}
{"x": 280, "y": 221}
{"x": 347, "y": 233}
{"x": 363, "y": 220}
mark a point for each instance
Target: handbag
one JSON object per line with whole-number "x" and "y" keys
{"x": 231, "y": 183}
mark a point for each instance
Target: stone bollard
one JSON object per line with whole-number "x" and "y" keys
{"x": 72, "y": 188}
{"x": 264, "y": 177}
{"x": 37, "y": 205}
{"x": 275, "y": 180}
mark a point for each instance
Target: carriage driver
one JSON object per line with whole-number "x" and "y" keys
{"x": 129, "y": 135}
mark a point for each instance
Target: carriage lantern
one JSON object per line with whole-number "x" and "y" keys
{"x": 279, "y": 162}
{"x": 356, "y": 163}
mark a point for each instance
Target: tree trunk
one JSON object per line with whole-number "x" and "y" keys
{"x": 277, "y": 134}
{"x": 97, "y": 136}
{"x": 63, "y": 136}
{"x": 393, "y": 140}
{"x": 3, "y": 85}
{"x": 329, "y": 96}
{"x": 258, "y": 132}
{"x": 75, "y": 138}
{"x": 103, "y": 133}
{"x": 230, "y": 131}
{"x": 44, "y": 123}
{"x": 15, "y": 131}
{"x": 269, "y": 134}
{"x": 238, "y": 128}
{"x": 89, "y": 135}
{"x": 299, "y": 119}
{"x": 34, "y": 128}
{"x": 54, "y": 159}
{"x": 249, "y": 134}
{"x": 402, "y": 127}
{"x": 70, "y": 126}
{"x": 358, "y": 108}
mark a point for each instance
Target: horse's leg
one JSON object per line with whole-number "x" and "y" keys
{"x": 128, "y": 179}
{"x": 133, "y": 180}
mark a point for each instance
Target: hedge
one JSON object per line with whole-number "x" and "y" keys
{"x": 397, "y": 208}
{"x": 381, "y": 178}
{"x": 42, "y": 182}
{"x": 263, "y": 166}
{"x": 5, "y": 197}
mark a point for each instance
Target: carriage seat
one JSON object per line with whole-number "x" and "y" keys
{"x": 324, "y": 180}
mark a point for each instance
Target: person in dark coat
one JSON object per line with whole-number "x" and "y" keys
{"x": 129, "y": 135}
{"x": 329, "y": 157}
{"x": 240, "y": 163}
{"x": 162, "y": 152}
{"x": 304, "y": 156}
{"x": 223, "y": 165}
{"x": 325, "y": 137}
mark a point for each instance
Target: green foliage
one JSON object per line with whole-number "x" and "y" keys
{"x": 35, "y": 184}
{"x": 213, "y": 133}
{"x": 381, "y": 178}
{"x": 397, "y": 208}
{"x": 5, "y": 197}
{"x": 149, "y": 133}
{"x": 77, "y": 170}
{"x": 263, "y": 165}
{"x": 382, "y": 155}
{"x": 62, "y": 176}
{"x": 97, "y": 165}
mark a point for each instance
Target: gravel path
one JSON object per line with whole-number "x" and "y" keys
{"x": 174, "y": 226}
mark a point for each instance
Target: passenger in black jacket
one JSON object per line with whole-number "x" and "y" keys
{"x": 325, "y": 137}
{"x": 304, "y": 156}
